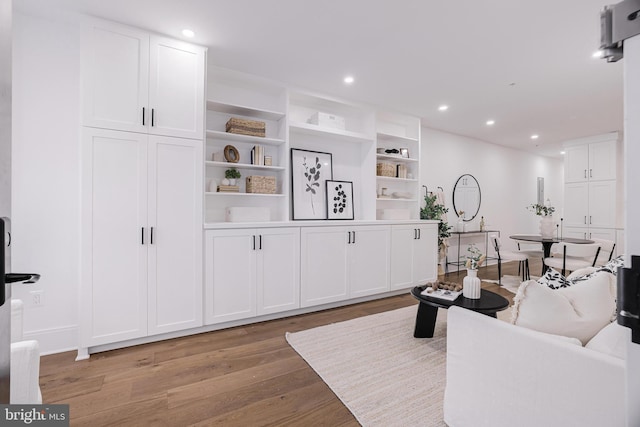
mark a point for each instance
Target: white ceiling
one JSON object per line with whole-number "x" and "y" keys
{"x": 527, "y": 65}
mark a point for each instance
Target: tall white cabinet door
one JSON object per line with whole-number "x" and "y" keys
{"x": 425, "y": 255}
{"x": 323, "y": 265}
{"x": 114, "y": 254}
{"x": 278, "y": 275}
{"x": 176, "y": 88}
{"x": 175, "y": 234}
{"x": 576, "y": 161}
{"x": 602, "y": 160}
{"x": 230, "y": 275}
{"x": 369, "y": 260}
{"x": 576, "y": 204}
{"x": 115, "y": 72}
{"x": 602, "y": 204}
{"x": 402, "y": 242}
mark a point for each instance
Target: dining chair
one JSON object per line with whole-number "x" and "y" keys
{"x": 607, "y": 247}
{"x": 574, "y": 256}
{"x": 502, "y": 255}
{"x": 531, "y": 250}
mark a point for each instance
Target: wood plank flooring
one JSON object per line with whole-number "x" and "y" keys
{"x": 244, "y": 376}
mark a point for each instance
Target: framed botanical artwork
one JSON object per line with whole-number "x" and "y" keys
{"x": 309, "y": 171}
{"x": 339, "y": 199}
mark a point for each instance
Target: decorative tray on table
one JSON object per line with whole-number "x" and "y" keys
{"x": 443, "y": 290}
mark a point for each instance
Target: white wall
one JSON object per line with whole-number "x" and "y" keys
{"x": 45, "y": 176}
{"x": 507, "y": 178}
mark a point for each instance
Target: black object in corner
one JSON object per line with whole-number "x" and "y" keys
{"x": 629, "y": 298}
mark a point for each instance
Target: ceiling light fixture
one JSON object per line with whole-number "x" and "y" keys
{"x": 535, "y": 136}
{"x": 597, "y": 54}
{"x": 188, "y": 33}
{"x": 491, "y": 122}
{"x": 349, "y": 79}
{"x": 562, "y": 152}
{"x": 443, "y": 107}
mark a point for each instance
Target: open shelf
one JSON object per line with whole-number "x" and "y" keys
{"x": 244, "y": 138}
{"x": 391, "y": 178}
{"x": 392, "y": 199}
{"x": 389, "y": 137}
{"x": 245, "y": 166}
{"x": 395, "y": 158}
{"x": 240, "y": 110}
{"x": 225, "y": 194}
{"x": 310, "y": 129}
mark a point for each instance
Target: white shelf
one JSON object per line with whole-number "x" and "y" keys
{"x": 245, "y": 166}
{"x": 241, "y": 110}
{"x": 389, "y": 137}
{"x": 391, "y": 178}
{"x": 394, "y": 199}
{"x": 225, "y": 194}
{"x": 395, "y": 158}
{"x": 244, "y": 138}
{"x": 309, "y": 129}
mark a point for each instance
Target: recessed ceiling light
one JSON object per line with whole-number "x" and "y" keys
{"x": 349, "y": 79}
{"x": 491, "y": 122}
{"x": 443, "y": 107}
{"x": 562, "y": 152}
{"x": 597, "y": 54}
{"x": 188, "y": 33}
{"x": 535, "y": 136}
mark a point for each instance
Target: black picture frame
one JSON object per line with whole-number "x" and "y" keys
{"x": 309, "y": 171}
{"x": 339, "y": 199}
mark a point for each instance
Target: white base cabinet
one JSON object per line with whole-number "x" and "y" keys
{"x": 338, "y": 263}
{"x": 251, "y": 272}
{"x": 414, "y": 255}
{"x": 141, "y": 236}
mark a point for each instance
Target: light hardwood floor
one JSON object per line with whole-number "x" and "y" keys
{"x": 244, "y": 376}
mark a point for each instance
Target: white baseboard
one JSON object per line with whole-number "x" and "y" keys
{"x": 55, "y": 340}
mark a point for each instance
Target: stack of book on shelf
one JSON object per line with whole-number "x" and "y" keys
{"x": 257, "y": 155}
{"x": 228, "y": 189}
{"x": 402, "y": 171}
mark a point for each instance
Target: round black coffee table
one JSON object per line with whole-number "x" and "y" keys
{"x": 489, "y": 303}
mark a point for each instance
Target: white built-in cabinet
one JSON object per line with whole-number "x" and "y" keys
{"x": 337, "y": 263}
{"x": 591, "y": 187}
{"x": 141, "y": 235}
{"x": 251, "y": 272}
{"x": 413, "y": 259}
{"x": 140, "y": 82}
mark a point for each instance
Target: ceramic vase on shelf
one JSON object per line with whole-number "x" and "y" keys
{"x": 547, "y": 228}
{"x": 471, "y": 284}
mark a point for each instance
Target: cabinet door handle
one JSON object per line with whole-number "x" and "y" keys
{"x": 151, "y": 239}
{"x": 153, "y": 112}
{"x": 142, "y": 236}
{"x": 349, "y": 234}
{"x": 260, "y": 242}
{"x": 254, "y": 242}
{"x": 589, "y": 219}
{"x": 585, "y": 173}
{"x": 419, "y": 234}
{"x": 354, "y": 236}
{"x": 585, "y": 219}
{"x": 143, "y": 116}
{"x": 590, "y": 173}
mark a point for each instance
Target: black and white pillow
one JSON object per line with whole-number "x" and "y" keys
{"x": 612, "y": 266}
{"x": 555, "y": 280}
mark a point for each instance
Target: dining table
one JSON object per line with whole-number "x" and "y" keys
{"x": 547, "y": 242}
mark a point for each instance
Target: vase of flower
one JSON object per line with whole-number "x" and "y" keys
{"x": 547, "y": 228}
{"x": 471, "y": 284}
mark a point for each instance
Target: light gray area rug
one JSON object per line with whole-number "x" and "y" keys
{"x": 510, "y": 283}
{"x": 378, "y": 370}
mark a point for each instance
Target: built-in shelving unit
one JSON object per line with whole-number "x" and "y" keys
{"x": 401, "y": 133}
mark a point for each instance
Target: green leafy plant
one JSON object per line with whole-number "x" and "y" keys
{"x": 435, "y": 211}
{"x": 541, "y": 210}
{"x": 232, "y": 173}
{"x": 475, "y": 257}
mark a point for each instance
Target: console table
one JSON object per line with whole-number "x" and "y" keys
{"x": 468, "y": 233}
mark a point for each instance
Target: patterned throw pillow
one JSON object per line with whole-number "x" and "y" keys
{"x": 553, "y": 279}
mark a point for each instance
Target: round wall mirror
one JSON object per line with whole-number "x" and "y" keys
{"x": 466, "y": 197}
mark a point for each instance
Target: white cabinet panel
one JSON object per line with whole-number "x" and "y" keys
{"x": 576, "y": 163}
{"x": 576, "y": 204}
{"x": 602, "y": 160}
{"x": 175, "y": 209}
{"x": 176, "y": 88}
{"x": 278, "y": 269}
{"x": 115, "y": 62}
{"x": 414, "y": 255}
{"x": 323, "y": 265}
{"x": 602, "y": 204}
{"x": 369, "y": 261}
{"x": 425, "y": 254}
{"x": 114, "y": 258}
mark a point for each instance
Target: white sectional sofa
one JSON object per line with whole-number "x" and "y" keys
{"x": 499, "y": 374}
{"x": 25, "y": 362}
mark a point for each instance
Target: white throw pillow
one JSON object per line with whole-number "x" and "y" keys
{"x": 578, "y": 311}
{"x": 611, "y": 340}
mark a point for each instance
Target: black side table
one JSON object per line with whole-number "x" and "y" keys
{"x": 489, "y": 303}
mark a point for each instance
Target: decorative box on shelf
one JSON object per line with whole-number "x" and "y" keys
{"x": 327, "y": 120}
{"x": 261, "y": 184}
{"x": 385, "y": 169}
{"x": 245, "y": 127}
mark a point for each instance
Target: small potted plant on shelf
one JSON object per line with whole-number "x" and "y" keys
{"x": 232, "y": 174}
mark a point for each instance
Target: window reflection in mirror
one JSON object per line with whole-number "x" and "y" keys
{"x": 466, "y": 197}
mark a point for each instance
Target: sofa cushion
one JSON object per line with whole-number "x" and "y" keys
{"x": 611, "y": 340}
{"x": 578, "y": 311}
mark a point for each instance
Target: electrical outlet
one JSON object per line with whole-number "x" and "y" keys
{"x": 37, "y": 298}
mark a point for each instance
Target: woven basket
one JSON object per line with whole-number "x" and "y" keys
{"x": 245, "y": 127}
{"x": 386, "y": 169}
{"x": 261, "y": 184}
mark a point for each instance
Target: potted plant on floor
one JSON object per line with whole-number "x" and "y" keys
{"x": 436, "y": 211}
